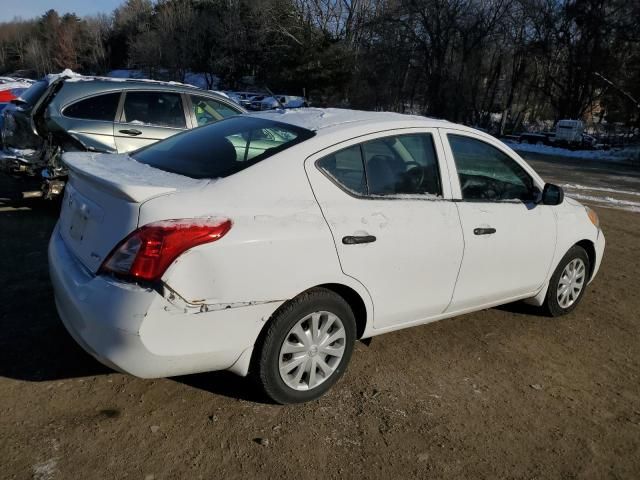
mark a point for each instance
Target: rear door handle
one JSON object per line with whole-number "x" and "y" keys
{"x": 484, "y": 231}
{"x": 131, "y": 131}
{"x": 357, "y": 239}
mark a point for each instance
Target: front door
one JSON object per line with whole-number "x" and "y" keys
{"x": 148, "y": 117}
{"x": 386, "y": 201}
{"x": 509, "y": 238}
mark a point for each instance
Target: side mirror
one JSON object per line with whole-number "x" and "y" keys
{"x": 552, "y": 194}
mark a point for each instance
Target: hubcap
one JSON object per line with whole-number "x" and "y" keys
{"x": 571, "y": 282}
{"x": 312, "y": 350}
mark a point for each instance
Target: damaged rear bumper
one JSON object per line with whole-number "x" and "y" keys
{"x": 135, "y": 330}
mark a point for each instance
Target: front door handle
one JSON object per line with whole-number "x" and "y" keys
{"x": 484, "y": 231}
{"x": 131, "y": 131}
{"x": 357, "y": 239}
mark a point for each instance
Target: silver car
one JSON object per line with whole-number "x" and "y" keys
{"x": 105, "y": 115}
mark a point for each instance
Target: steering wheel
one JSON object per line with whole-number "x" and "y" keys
{"x": 415, "y": 174}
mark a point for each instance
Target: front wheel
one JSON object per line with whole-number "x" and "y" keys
{"x": 568, "y": 283}
{"x": 306, "y": 348}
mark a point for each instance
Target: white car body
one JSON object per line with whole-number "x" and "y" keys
{"x": 426, "y": 264}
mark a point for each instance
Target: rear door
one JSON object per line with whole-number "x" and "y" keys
{"x": 91, "y": 120}
{"x": 147, "y": 117}
{"x": 386, "y": 200}
{"x": 509, "y": 238}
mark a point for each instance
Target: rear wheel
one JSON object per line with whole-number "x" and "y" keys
{"x": 306, "y": 348}
{"x": 568, "y": 283}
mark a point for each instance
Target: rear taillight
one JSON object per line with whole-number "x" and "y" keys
{"x": 148, "y": 251}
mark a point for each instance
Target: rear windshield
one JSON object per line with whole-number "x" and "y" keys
{"x": 222, "y": 148}
{"x": 34, "y": 92}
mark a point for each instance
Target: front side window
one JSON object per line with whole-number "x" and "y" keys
{"x": 221, "y": 148}
{"x": 100, "y": 107}
{"x": 486, "y": 173}
{"x": 159, "y": 109}
{"x": 208, "y": 110}
{"x": 389, "y": 166}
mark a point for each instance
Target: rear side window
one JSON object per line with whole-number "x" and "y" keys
{"x": 100, "y": 107}
{"x": 389, "y": 166}
{"x": 207, "y": 110}
{"x": 222, "y": 148}
{"x": 487, "y": 174}
{"x": 160, "y": 109}
{"x": 347, "y": 168}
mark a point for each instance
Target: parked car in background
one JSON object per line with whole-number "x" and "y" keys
{"x": 10, "y": 90}
{"x": 101, "y": 115}
{"x": 544, "y": 138}
{"x": 255, "y": 102}
{"x": 245, "y": 98}
{"x": 233, "y": 96}
{"x": 569, "y": 132}
{"x": 21, "y": 146}
{"x": 344, "y": 225}
{"x": 279, "y": 101}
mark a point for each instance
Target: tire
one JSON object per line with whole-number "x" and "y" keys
{"x": 326, "y": 306}
{"x": 557, "y": 304}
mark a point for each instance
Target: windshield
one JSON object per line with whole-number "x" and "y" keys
{"x": 34, "y": 92}
{"x": 222, "y": 148}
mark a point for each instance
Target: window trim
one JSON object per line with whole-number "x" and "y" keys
{"x": 361, "y": 139}
{"x": 123, "y": 99}
{"x": 456, "y": 189}
{"x": 88, "y": 97}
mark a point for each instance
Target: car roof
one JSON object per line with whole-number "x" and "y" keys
{"x": 321, "y": 120}
{"x": 130, "y": 83}
{"x": 76, "y": 88}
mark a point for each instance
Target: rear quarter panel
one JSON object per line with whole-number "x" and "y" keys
{"x": 279, "y": 244}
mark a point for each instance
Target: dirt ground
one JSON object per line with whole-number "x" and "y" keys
{"x": 503, "y": 393}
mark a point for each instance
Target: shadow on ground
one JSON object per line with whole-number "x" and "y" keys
{"x": 34, "y": 345}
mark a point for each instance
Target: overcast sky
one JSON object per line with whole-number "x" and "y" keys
{"x": 27, "y": 9}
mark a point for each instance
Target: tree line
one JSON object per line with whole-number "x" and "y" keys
{"x": 473, "y": 61}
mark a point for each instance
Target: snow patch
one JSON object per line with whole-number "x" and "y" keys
{"x": 570, "y": 186}
{"x": 15, "y": 84}
{"x": 67, "y": 72}
{"x": 45, "y": 470}
{"x": 318, "y": 118}
{"x": 614, "y": 155}
{"x": 121, "y": 169}
{"x": 607, "y": 200}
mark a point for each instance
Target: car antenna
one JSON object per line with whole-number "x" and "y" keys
{"x": 277, "y": 99}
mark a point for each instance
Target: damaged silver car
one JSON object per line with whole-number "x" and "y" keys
{"x": 77, "y": 113}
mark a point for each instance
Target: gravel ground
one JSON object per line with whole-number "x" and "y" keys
{"x": 502, "y": 393}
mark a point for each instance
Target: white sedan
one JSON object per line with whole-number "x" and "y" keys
{"x": 267, "y": 244}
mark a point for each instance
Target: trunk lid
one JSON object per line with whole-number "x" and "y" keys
{"x": 102, "y": 200}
